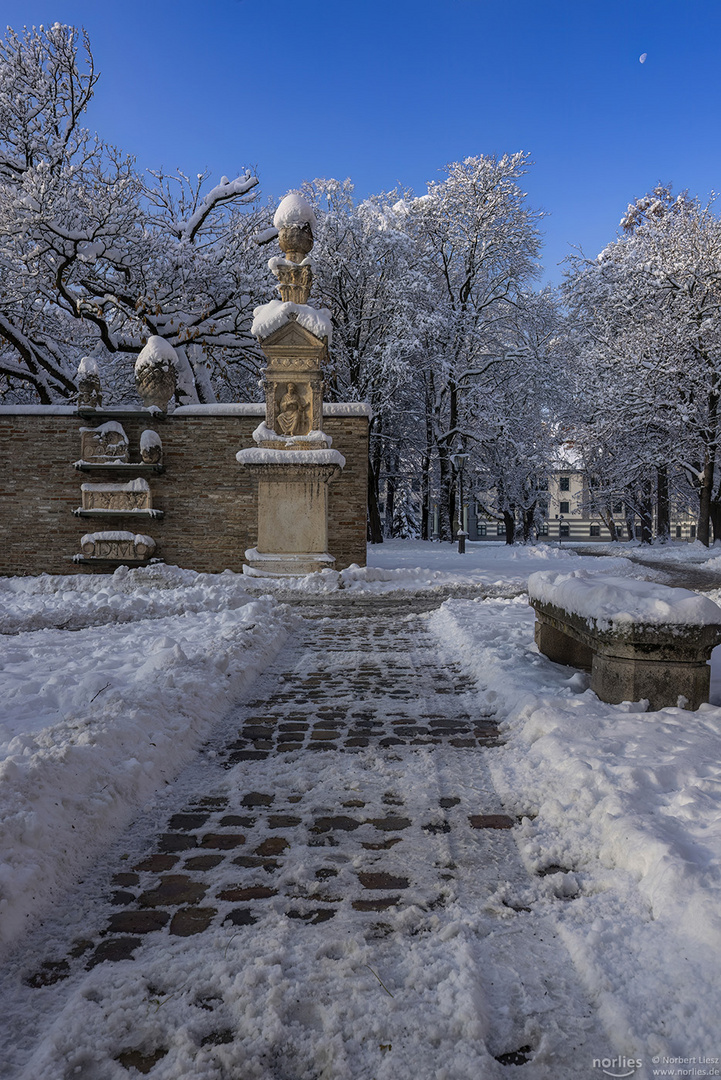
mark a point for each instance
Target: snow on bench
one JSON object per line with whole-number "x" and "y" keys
{"x": 637, "y": 638}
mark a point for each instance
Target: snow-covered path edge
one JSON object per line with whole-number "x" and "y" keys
{"x": 146, "y": 698}
{"x": 627, "y": 804}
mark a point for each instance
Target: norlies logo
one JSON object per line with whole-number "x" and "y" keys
{"x": 617, "y": 1067}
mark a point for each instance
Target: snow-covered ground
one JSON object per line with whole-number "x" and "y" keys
{"x": 110, "y": 684}
{"x": 99, "y": 714}
{"x": 624, "y": 807}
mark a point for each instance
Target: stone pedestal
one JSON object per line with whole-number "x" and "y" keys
{"x": 292, "y": 517}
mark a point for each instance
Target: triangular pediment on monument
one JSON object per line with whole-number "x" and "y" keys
{"x": 293, "y": 335}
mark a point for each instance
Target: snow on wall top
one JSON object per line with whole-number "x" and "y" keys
{"x": 238, "y": 408}
{"x": 294, "y": 210}
{"x": 250, "y": 408}
{"x": 157, "y": 350}
{"x": 38, "y": 410}
{"x": 270, "y": 317}
{"x": 614, "y": 600}
{"x": 347, "y": 408}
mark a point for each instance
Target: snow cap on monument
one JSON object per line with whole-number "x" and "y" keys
{"x": 294, "y": 210}
{"x": 156, "y": 351}
{"x": 156, "y": 373}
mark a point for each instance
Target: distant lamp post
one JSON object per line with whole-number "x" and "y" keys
{"x": 459, "y": 460}
{"x": 560, "y": 529}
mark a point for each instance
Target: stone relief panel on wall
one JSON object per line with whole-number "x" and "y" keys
{"x": 135, "y": 495}
{"x": 104, "y": 444}
{"x": 117, "y": 545}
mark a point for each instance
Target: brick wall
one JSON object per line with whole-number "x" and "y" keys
{"x": 208, "y": 499}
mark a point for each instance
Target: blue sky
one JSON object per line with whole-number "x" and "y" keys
{"x": 389, "y": 92}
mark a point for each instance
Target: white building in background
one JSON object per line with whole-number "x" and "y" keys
{"x": 567, "y": 518}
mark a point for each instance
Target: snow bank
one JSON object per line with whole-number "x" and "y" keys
{"x": 94, "y": 721}
{"x": 609, "y": 601}
{"x": 621, "y": 822}
{"x": 271, "y": 316}
{"x": 294, "y": 210}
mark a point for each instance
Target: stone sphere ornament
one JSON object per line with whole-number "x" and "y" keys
{"x": 151, "y": 448}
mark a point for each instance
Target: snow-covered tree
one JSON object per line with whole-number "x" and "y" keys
{"x": 478, "y": 244}
{"x": 649, "y": 356}
{"x": 363, "y": 273}
{"x": 515, "y": 439}
{"x": 94, "y": 258}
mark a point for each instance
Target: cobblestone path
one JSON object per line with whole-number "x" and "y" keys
{"x": 338, "y": 841}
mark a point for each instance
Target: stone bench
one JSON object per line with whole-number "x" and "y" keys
{"x": 638, "y": 639}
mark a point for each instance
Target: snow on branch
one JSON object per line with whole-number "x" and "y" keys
{"x": 221, "y": 193}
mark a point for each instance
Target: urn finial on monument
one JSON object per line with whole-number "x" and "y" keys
{"x": 294, "y": 219}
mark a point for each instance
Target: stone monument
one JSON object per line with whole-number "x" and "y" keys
{"x": 293, "y": 460}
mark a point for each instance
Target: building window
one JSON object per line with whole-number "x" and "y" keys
{"x": 679, "y": 532}
{"x": 594, "y": 530}
{"x": 501, "y": 529}
{"x": 693, "y": 532}
{"x": 618, "y": 507}
{"x": 565, "y": 507}
{"x": 565, "y": 483}
{"x": 543, "y": 529}
{"x": 563, "y": 529}
{"x": 482, "y": 530}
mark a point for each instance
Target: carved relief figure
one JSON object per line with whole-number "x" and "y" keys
{"x": 292, "y": 408}
{"x": 105, "y": 443}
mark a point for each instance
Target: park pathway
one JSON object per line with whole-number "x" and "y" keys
{"x": 331, "y": 890}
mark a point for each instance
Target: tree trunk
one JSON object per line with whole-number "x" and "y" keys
{"x": 646, "y": 513}
{"x": 447, "y": 500}
{"x": 426, "y": 524}
{"x": 528, "y": 516}
{"x": 663, "y": 505}
{"x": 704, "y": 505}
{"x": 716, "y": 520}
{"x": 510, "y": 523}
{"x": 375, "y": 529}
{"x": 606, "y": 516}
